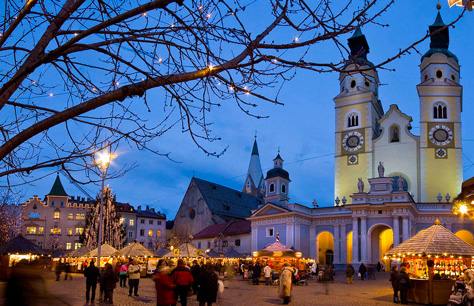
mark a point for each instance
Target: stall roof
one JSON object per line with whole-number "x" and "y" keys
{"x": 21, "y": 245}
{"x": 106, "y": 250}
{"x": 80, "y": 252}
{"x": 134, "y": 249}
{"x": 436, "y": 239}
{"x": 186, "y": 250}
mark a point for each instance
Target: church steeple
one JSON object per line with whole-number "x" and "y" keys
{"x": 439, "y": 38}
{"x": 57, "y": 189}
{"x": 358, "y": 45}
{"x": 254, "y": 180}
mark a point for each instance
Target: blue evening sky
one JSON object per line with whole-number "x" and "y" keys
{"x": 303, "y": 128}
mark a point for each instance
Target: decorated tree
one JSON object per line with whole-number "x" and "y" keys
{"x": 113, "y": 232}
{"x": 10, "y": 217}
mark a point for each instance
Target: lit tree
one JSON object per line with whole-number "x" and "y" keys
{"x": 10, "y": 217}
{"x": 113, "y": 231}
{"x": 77, "y": 75}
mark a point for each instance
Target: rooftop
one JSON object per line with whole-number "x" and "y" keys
{"x": 232, "y": 228}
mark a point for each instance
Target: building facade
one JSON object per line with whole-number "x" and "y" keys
{"x": 389, "y": 182}
{"x": 150, "y": 228}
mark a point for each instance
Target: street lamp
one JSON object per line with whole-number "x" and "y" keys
{"x": 102, "y": 160}
{"x": 468, "y": 4}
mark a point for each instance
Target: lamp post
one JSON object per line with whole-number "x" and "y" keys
{"x": 468, "y": 4}
{"x": 102, "y": 160}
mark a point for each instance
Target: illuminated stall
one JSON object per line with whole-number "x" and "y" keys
{"x": 434, "y": 259}
{"x": 277, "y": 254}
{"x": 15, "y": 250}
{"x": 139, "y": 253}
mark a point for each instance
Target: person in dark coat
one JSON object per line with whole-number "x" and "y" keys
{"x": 109, "y": 280}
{"x": 208, "y": 285}
{"x": 379, "y": 266}
{"x": 92, "y": 275}
{"x": 362, "y": 271}
{"x": 67, "y": 271}
{"x": 183, "y": 279}
{"x": 257, "y": 270}
{"x": 58, "y": 270}
{"x": 350, "y": 273}
{"x": 195, "y": 271}
{"x": 403, "y": 285}
{"x": 394, "y": 280}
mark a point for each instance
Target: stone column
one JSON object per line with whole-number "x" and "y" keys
{"x": 254, "y": 246}
{"x": 342, "y": 232}
{"x": 405, "y": 229}
{"x": 396, "y": 231}
{"x": 363, "y": 239}
{"x": 297, "y": 240}
{"x": 337, "y": 248}
{"x": 290, "y": 232}
{"x": 312, "y": 242}
{"x": 355, "y": 242}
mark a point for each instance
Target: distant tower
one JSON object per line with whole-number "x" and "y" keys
{"x": 254, "y": 181}
{"x": 358, "y": 110}
{"x": 440, "y": 117}
{"x": 57, "y": 197}
{"x": 277, "y": 183}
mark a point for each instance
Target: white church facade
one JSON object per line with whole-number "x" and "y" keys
{"x": 389, "y": 182}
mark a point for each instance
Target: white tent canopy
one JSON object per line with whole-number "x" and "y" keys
{"x": 106, "y": 250}
{"x": 134, "y": 249}
{"x": 185, "y": 250}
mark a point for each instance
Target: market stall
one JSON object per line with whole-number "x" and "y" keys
{"x": 276, "y": 254}
{"x": 107, "y": 251}
{"x": 15, "y": 250}
{"x": 140, "y": 254}
{"x": 434, "y": 259}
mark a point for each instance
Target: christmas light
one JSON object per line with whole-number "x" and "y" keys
{"x": 296, "y": 39}
{"x": 50, "y": 94}
{"x": 208, "y": 15}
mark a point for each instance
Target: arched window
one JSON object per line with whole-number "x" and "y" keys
{"x": 440, "y": 111}
{"x": 394, "y": 133}
{"x": 272, "y": 187}
{"x": 352, "y": 120}
{"x": 283, "y": 188}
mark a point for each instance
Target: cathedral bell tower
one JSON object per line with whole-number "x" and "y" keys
{"x": 357, "y": 112}
{"x": 440, "y": 118}
{"x": 277, "y": 183}
{"x": 254, "y": 181}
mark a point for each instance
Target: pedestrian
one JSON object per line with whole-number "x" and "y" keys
{"x": 379, "y": 266}
{"x": 110, "y": 280}
{"x": 58, "y": 270}
{"x": 92, "y": 276}
{"x": 67, "y": 271}
{"x": 257, "y": 270}
{"x": 133, "y": 277}
{"x": 208, "y": 286}
{"x": 164, "y": 285}
{"x": 195, "y": 271}
{"x": 350, "y": 273}
{"x": 267, "y": 272}
{"x": 123, "y": 275}
{"x": 403, "y": 285}
{"x": 183, "y": 280}
{"x": 362, "y": 271}
{"x": 286, "y": 283}
{"x": 394, "y": 280}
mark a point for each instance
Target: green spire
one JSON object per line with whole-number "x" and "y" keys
{"x": 58, "y": 189}
{"x": 438, "y": 21}
{"x": 357, "y": 32}
{"x": 255, "y": 148}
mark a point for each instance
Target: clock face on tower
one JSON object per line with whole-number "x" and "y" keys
{"x": 352, "y": 141}
{"x": 440, "y": 135}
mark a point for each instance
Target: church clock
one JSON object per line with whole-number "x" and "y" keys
{"x": 352, "y": 142}
{"x": 441, "y": 135}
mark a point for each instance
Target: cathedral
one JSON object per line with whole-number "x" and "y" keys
{"x": 389, "y": 182}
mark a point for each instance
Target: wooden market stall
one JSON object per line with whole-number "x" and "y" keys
{"x": 139, "y": 253}
{"x": 15, "y": 250}
{"x": 434, "y": 259}
{"x": 276, "y": 254}
{"x": 107, "y": 251}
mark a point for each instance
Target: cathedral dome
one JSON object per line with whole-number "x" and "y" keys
{"x": 278, "y": 172}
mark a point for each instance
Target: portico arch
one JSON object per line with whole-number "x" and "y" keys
{"x": 466, "y": 236}
{"x": 325, "y": 247}
{"x": 349, "y": 247}
{"x": 380, "y": 240}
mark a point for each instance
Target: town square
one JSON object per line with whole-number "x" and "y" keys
{"x": 176, "y": 152}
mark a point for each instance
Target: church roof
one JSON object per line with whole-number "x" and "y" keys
{"x": 226, "y": 202}
{"x": 235, "y": 227}
{"x": 255, "y": 148}
{"x": 439, "y": 39}
{"x": 58, "y": 189}
{"x": 278, "y": 172}
{"x": 255, "y": 168}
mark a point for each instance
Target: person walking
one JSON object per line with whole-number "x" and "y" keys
{"x": 379, "y": 266}
{"x": 350, "y": 273}
{"x": 110, "y": 280}
{"x": 403, "y": 284}
{"x": 208, "y": 286}
{"x": 195, "y": 271}
{"x": 286, "y": 283}
{"x": 164, "y": 285}
{"x": 123, "y": 275}
{"x": 267, "y": 272}
{"x": 256, "y": 271}
{"x": 133, "y": 277}
{"x": 183, "y": 280}
{"x": 92, "y": 276}
{"x": 67, "y": 271}
{"x": 58, "y": 270}
{"x": 394, "y": 280}
{"x": 362, "y": 271}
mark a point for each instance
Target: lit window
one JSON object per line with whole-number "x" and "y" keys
{"x": 122, "y": 220}
{"x": 79, "y": 230}
{"x": 69, "y": 231}
{"x": 31, "y": 230}
{"x": 55, "y": 231}
{"x": 68, "y": 245}
{"x": 70, "y": 216}
{"x": 56, "y": 215}
{"x": 150, "y": 233}
{"x": 77, "y": 245}
{"x": 40, "y": 230}
{"x": 80, "y": 216}
{"x": 158, "y": 233}
{"x": 131, "y": 222}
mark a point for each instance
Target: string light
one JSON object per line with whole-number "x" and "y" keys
{"x": 160, "y": 60}
{"x": 208, "y": 15}
{"x": 200, "y": 7}
{"x": 296, "y": 39}
{"x": 75, "y": 34}
{"x": 50, "y": 94}
{"x": 231, "y": 88}
{"x": 210, "y": 67}
{"x": 144, "y": 14}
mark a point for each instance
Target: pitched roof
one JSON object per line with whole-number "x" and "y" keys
{"x": 255, "y": 147}
{"x": 231, "y": 228}
{"x": 58, "y": 189}
{"x": 435, "y": 240}
{"x": 124, "y": 207}
{"x": 21, "y": 245}
{"x": 150, "y": 213}
{"x": 105, "y": 250}
{"x": 134, "y": 249}
{"x": 226, "y": 202}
